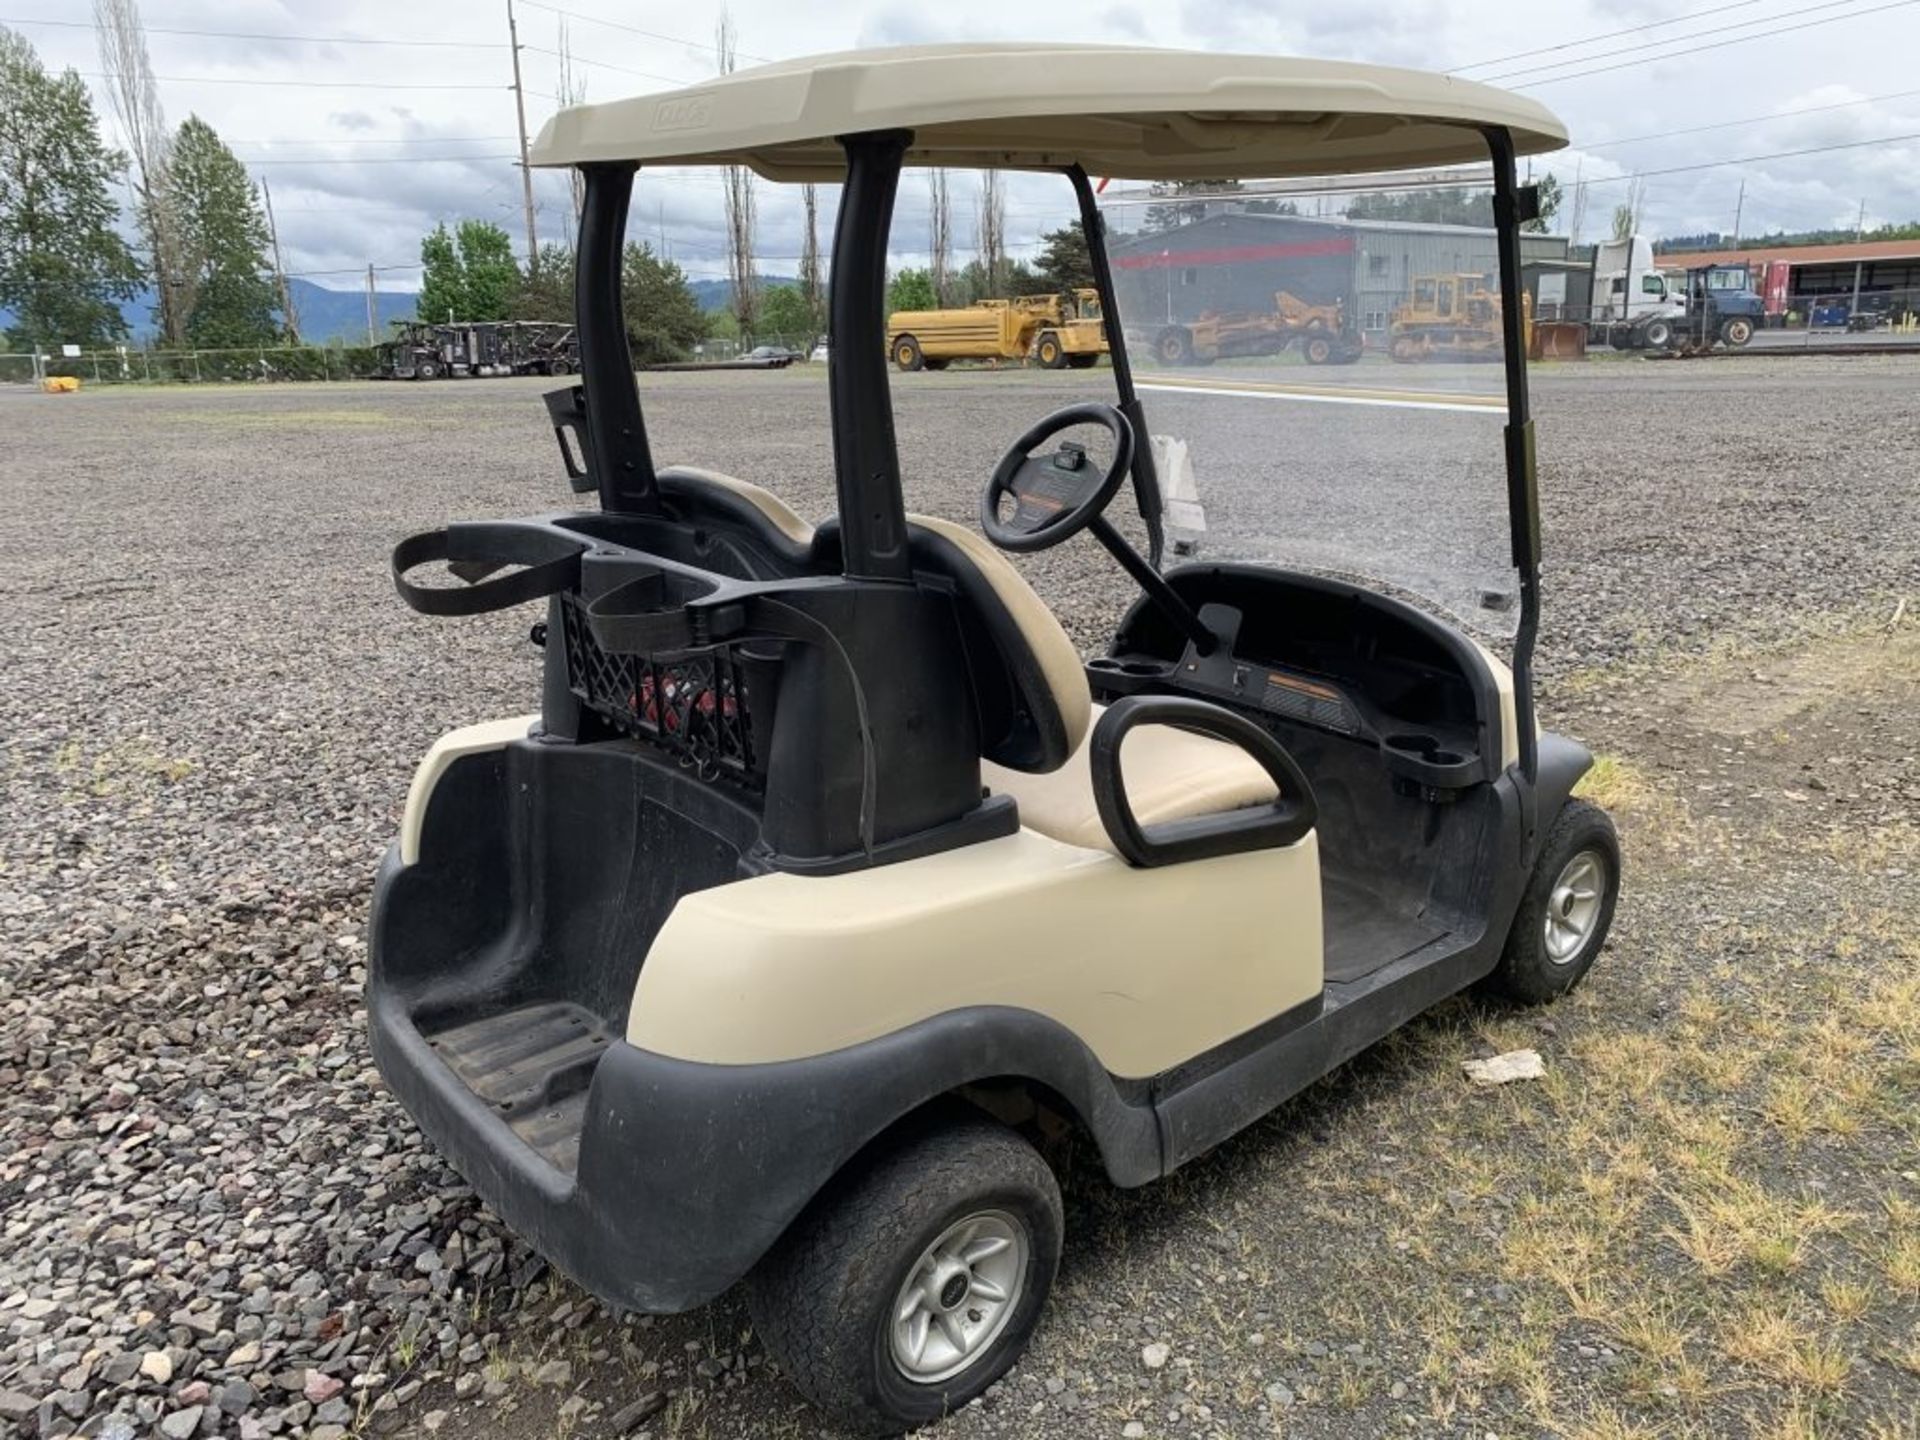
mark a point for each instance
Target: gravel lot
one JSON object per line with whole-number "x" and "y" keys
{"x": 213, "y": 1220}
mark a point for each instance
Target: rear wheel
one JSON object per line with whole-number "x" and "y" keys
{"x": 1656, "y": 334}
{"x": 1319, "y": 350}
{"x": 1568, "y": 906}
{"x": 910, "y": 1287}
{"x": 1174, "y": 346}
{"x": 1049, "y": 351}
{"x": 906, "y": 353}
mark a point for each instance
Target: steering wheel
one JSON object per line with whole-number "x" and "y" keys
{"x": 1057, "y": 495}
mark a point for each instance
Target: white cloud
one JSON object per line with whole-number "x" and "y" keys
{"x": 340, "y": 216}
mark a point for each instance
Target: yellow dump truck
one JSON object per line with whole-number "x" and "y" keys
{"x": 1053, "y": 330}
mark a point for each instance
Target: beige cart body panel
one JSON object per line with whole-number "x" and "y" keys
{"x": 454, "y": 745}
{"x": 1121, "y": 111}
{"x": 1148, "y": 967}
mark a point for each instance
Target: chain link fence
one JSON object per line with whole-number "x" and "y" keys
{"x": 128, "y": 366}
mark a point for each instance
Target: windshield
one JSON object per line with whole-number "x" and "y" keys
{"x": 1322, "y": 380}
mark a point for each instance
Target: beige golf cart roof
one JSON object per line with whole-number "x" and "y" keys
{"x": 1120, "y": 111}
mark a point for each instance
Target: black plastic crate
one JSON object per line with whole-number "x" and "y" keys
{"x": 692, "y": 704}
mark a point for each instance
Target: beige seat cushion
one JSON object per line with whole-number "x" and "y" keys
{"x": 1169, "y": 774}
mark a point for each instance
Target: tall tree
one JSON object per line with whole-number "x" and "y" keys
{"x": 810, "y": 286}
{"x": 1065, "y": 262}
{"x": 1446, "y": 205}
{"x": 546, "y": 291}
{"x": 992, "y": 232}
{"x": 1548, "y": 189}
{"x": 784, "y": 313}
{"x": 738, "y": 182}
{"x": 1167, "y": 217}
{"x": 940, "y": 234}
{"x": 223, "y": 241}
{"x": 63, "y": 266}
{"x": 664, "y": 320}
{"x": 135, "y": 98}
{"x": 911, "y": 290}
{"x": 469, "y": 273}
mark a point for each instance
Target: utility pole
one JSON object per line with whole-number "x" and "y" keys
{"x": 1859, "y": 229}
{"x": 370, "y": 319}
{"x": 287, "y": 311}
{"x": 526, "y": 170}
{"x": 1739, "y": 206}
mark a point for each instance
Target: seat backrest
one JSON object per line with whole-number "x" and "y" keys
{"x": 783, "y": 541}
{"x": 1027, "y": 677}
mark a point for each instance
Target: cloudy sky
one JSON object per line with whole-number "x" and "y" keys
{"x": 366, "y": 145}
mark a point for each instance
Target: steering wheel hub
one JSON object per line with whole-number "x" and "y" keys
{"x": 1058, "y": 494}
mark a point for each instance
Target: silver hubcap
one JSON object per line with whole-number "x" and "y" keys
{"x": 959, "y": 1296}
{"x": 1573, "y": 906}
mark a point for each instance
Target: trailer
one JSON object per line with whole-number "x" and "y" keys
{"x": 423, "y": 351}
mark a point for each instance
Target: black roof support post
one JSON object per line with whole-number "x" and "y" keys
{"x": 1146, "y": 480}
{"x": 1513, "y": 207}
{"x": 616, "y": 432}
{"x": 866, "y": 457}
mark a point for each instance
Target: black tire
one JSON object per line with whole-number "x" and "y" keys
{"x": 1048, "y": 350}
{"x": 1655, "y": 335}
{"x": 823, "y": 1301}
{"x": 1739, "y": 330}
{"x": 1319, "y": 350}
{"x": 906, "y": 353}
{"x": 1527, "y": 972}
{"x": 936, "y": 364}
{"x": 1174, "y": 346}
{"x": 426, "y": 370}
{"x": 1083, "y": 362}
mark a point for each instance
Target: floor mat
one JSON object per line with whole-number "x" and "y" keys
{"x": 1364, "y": 931}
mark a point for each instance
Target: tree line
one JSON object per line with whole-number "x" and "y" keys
{"x": 66, "y": 269}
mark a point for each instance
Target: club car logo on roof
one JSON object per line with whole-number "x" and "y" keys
{"x": 683, "y": 112}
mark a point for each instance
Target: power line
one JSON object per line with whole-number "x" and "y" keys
{"x": 1711, "y": 45}
{"x": 636, "y": 30}
{"x": 1753, "y": 159}
{"x": 408, "y": 140}
{"x": 288, "y": 39}
{"x": 1679, "y": 39}
{"x": 384, "y": 160}
{"x": 609, "y": 65}
{"x": 1750, "y": 120}
{"x": 324, "y": 84}
{"x": 1608, "y": 35}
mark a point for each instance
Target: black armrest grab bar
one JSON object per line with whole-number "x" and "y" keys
{"x": 476, "y": 551}
{"x": 1283, "y": 820}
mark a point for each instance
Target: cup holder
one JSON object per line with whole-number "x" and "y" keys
{"x": 1425, "y": 747}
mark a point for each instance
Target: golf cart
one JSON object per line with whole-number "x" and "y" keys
{"x": 828, "y": 885}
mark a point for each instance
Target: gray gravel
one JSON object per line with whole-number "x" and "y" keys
{"x": 212, "y": 1218}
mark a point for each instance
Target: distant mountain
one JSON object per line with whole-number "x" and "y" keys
{"x": 718, "y": 294}
{"x": 324, "y": 314}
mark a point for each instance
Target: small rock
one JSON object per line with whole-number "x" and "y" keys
{"x": 638, "y": 1412}
{"x": 433, "y": 1420}
{"x": 181, "y": 1424}
{"x": 1132, "y": 1430}
{"x": 1279, "y": 1396}
{"x": 553, "y": 1372}
{"x": 1156, "y": 1355}
{"x": 157, "y": 1366}
{"x": 321, "y": 1387}
{"x": 17, "y": 1405}
{"x": 194, "y": 1392}
{"x": 1505, "y": 1069}
{"x": 242, "y": 1357}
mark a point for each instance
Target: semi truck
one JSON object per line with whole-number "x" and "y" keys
{"x": 1054, "y": 330}
{"x": 1637, "y": 306}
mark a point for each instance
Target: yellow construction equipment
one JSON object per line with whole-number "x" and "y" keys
{"x": 1321, "y": 331}
{"x": 1055, "y": 330}
{"x": 1450, "y": 317}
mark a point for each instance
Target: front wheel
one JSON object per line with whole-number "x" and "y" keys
{"x": 1050, "y": 352}
{"x": 912, "y": 1285}
{"x": 1566, "y": 910}
{"x": 1319, "y": 350}
{"x": 906, "y": 353}
{"x": 1738, "y": 331}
